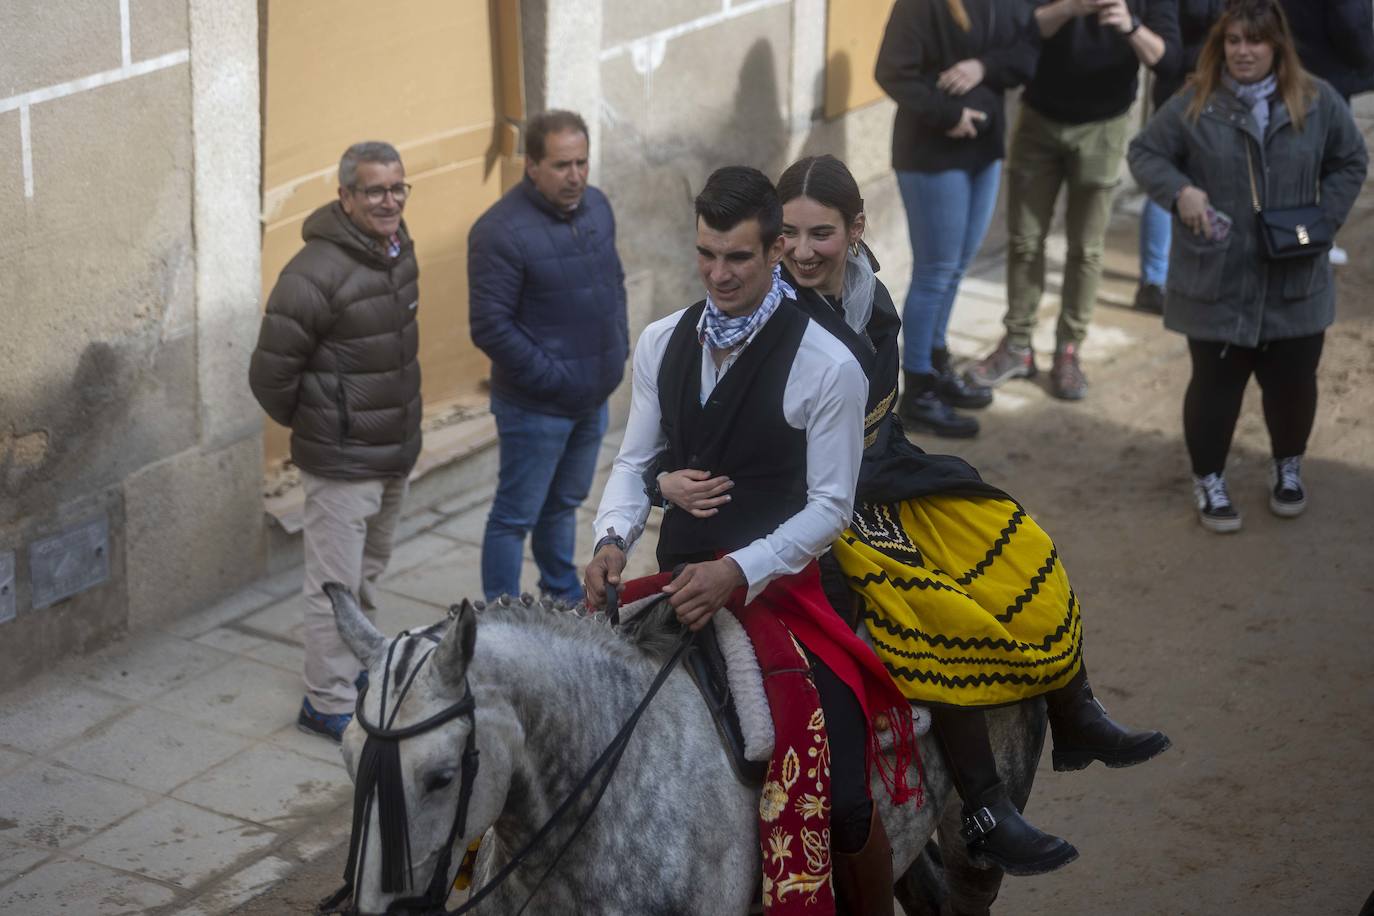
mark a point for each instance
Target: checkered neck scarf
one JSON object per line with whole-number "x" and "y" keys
{"x": 722, "y": 332}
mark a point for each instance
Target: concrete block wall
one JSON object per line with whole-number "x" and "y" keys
{"x": 128, "y": 133}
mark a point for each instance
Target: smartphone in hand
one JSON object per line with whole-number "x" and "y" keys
{"x": 1219, "y": 224}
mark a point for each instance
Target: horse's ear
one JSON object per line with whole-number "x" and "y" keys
{"x": 357, "y": 632}
{"x": 455, "y": 650}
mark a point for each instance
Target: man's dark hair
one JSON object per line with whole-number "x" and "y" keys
{"x": 538, "y": 128}
{"x": 737, "y": 193}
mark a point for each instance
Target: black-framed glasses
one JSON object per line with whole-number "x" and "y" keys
{"x": 377, "y": 193}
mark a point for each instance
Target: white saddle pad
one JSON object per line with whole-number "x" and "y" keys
{"x": 746, "y": 685}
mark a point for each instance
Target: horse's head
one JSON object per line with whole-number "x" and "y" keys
{"x": 411, "y": 751}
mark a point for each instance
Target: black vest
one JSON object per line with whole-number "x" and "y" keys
{"x": 740, "y": 432}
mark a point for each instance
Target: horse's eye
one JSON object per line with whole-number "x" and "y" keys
{"x": 439, "y": 779}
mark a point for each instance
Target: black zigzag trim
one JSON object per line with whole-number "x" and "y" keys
{"x": 907, "y": 585}
{"x": 995, "y": 551}
{"x": 1072, "y": 650}
{"x": 939, "y": 640}
{"x": 960, "y": 681}
{"x": 1031, "y": 590}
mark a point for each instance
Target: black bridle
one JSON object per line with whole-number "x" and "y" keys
{"x": 379, "y": 774}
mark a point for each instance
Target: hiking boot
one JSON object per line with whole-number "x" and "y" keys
{"x": 1004, "y": 363}
{"x": 1067, "y": 381}
{"x": 953, "y": 388}
{"x": 1287, "y": 498}
{"x": 1149, "y": 297}
{"x": 1214, "y": 509}
{"x": 324, "y": 724}
{"x": 1083, "y": 732}
{"x": 997, "y": 834}
{"x": 922, "y": 410}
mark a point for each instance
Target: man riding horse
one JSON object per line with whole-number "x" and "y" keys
{"x": 745, "y": 385}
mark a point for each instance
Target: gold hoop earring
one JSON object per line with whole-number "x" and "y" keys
{"x": 855, "y": 249}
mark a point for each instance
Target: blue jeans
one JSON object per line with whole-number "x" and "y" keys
{"x": 1156, "y": 229}
{"x": 947, "y": 216}
{"x": 547, "y": 466}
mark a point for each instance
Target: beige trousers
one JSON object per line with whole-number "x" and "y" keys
{"x": 349, "y": 528}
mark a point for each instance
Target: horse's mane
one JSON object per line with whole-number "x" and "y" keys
{"x": 654, "y": 633}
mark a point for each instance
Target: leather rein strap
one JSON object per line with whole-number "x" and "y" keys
{"x": 436, "y": 894}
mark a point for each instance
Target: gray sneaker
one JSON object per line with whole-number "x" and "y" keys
{"x": 1005, "y": 362}
{"x": 1067, "y": 380}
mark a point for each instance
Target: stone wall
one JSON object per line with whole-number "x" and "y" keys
{"x": 128, "y": 211}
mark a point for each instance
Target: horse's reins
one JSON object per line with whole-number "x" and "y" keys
{"x": 379, "y": 774}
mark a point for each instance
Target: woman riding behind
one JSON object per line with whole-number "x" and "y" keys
{"x": 963, "y": 594}
{"x": 1253, "y": 138}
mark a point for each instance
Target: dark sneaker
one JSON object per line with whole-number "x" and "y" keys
{"x": 1067, "y": 380}
{"x": 1005, "y": 363}
{"x": 925, "y": 412}
{"x": 953, "y": 389}
{"x": 321, "y": 723}
{"x": 1287, "y": 498}
{"x": 1149, "y": 297}
{"x": 1214, "y": 509}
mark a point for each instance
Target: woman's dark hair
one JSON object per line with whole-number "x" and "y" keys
{"x": 538, "y": 128}
{"x": 1262, "y": 21}
{"x": 827, "y": 181}
{"x": 737, "y": 193}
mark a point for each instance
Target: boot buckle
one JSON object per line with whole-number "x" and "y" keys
{"x": 977, "y": 824}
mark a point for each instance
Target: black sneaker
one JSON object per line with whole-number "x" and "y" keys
{"x": 1287, "y": 498}
{"x": 1214, "y": 509}
{"x": 1149, "y": 297}
{"x": 953, "y": 388}
{"x": 925, "y": 412}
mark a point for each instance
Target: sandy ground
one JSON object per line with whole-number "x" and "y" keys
{"x": 1251, "y": 650}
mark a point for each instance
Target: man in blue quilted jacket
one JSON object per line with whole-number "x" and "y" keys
{"x": 547, "y": 304}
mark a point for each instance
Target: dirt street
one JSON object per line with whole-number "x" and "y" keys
{"x": 1251, "y": 650}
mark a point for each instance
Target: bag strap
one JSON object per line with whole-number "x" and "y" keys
{"x": 1254, "y": 190}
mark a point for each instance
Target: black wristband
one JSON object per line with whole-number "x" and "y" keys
{"x": 1135, "y": 26}
{"x": 613, "y": 539}
{"x": 655, "y": 493}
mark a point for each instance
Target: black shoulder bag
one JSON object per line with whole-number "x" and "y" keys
{"x": 1290, "y": 232}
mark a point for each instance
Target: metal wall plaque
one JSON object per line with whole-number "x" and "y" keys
{"x": 7, "y": 585}
{"x": 69, "y": 563}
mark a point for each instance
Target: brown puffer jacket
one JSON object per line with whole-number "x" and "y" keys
{"x": 337, "y": 357}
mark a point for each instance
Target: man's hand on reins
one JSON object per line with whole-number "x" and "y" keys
{"x": 701, "y": 589}
{"x": 606, "y": 566}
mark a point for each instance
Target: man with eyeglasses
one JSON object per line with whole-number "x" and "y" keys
{"x": 337, "y": 362}
{"x": 547, "y": 304}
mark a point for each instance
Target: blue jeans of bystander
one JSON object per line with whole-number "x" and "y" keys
{"x": 547, "y": 466}
{"x": 1156, "y": 229}
{"x": 947, "y": 216}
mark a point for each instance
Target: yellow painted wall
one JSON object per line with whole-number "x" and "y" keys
{"x": 424, "y": 75}
{"x": 853, "y": 33}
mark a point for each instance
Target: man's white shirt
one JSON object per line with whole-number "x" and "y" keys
{"x": 825, "y": 396}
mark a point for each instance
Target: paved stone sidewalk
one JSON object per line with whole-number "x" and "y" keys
{"x": 165, "y": 773}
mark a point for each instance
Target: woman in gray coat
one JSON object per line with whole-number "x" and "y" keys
{"x": 1250, "y": 109}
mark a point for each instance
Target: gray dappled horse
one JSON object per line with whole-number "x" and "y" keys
{"x": 675, "y": 832}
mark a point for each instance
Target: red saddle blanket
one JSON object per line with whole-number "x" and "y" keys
{"x": 794, "y": 807}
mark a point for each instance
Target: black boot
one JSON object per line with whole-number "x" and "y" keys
{"x": 995, "y": 831}
{"x": 953, "y": 388}
{"x": 1083, "y": 732}
{"x": 922, "y": 410}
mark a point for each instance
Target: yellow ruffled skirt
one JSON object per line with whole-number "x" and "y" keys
{"x": 965, "y": 598}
